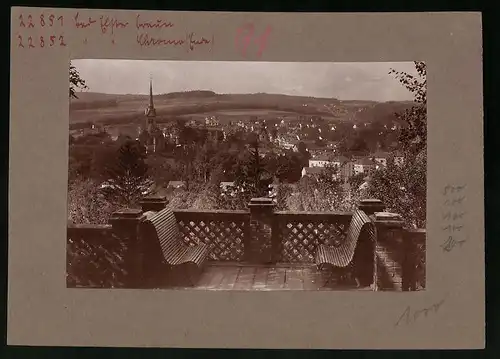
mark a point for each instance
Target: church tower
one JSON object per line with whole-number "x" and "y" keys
{"x": 151, "y": 131}
{"x": 150, "y": 110}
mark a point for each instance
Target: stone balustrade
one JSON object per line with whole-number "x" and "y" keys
{"x": 258, "y": 236}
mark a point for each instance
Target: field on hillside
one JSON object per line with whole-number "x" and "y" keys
{"x": 109, "y": 109}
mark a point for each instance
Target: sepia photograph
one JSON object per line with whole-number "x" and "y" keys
{"x": 247, "y": 176}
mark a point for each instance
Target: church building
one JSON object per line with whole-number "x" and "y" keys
{"x": 151, "y": 136}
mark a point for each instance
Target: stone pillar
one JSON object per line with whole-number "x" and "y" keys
{"x": 389, "y": 251}
{"x": 371, "y": 205}
{"x": 414, "y": 249}
{"x": 125, "y": 224}
{"x": 153, "y": 203}
{"x": 258, "y": 246}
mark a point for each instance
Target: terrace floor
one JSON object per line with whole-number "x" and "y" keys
{"x": 245, "y": 277}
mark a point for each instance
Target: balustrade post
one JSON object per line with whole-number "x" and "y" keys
{"x": 125, "y": 224}
{"x": 390, "y": 251}
{"x": 371, "y": 205}
{"x": 153, "y": 203}
{"x": 258, "y": 246}
{"x": 414, "y": 242}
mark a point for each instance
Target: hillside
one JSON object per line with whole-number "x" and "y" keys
{"x": 109, "y": 108}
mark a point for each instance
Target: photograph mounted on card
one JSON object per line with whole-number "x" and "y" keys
{"x": 188, "y": 166}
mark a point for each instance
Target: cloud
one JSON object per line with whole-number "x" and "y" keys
{"x": 364, "y": 81}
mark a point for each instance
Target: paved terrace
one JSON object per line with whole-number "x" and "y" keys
{"x": 260, "y": 249}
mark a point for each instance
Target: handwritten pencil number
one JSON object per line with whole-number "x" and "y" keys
{"x": 20, "y": 41}
{"x": 30, "y": 42}
{"x": 21, "y": 21}
{"x": 61, "y": 39}
{"x": 51, "y": 20}
{"x": 52, "y": 40}
{"x": 60, "y": 18}
{"x": 42, "y": 20}
{"x": 30, "y": 21}
{"x": 42, "y": 42}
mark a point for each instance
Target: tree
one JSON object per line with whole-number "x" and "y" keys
{"x": 359, "y": 144}
{"x": 305, "y": 154}
{"x": 75, "y": 81}
{"x": 86, "y": 204}
{"x": 414, "y": 136}
{"x": 283, "y": 193}
{"x": 403, "y": 189}
{"x": 252, "y": 178}
{"x": 356, "y": 180}
{"x": 128, "y": 179}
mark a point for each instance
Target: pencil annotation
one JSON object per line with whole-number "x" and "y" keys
{"x": 110, "y": 23}
{"x": 190, "y": 42}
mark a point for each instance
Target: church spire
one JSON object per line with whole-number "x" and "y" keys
{"x": 151, "y": 111}
{"x": 151, "y": 93}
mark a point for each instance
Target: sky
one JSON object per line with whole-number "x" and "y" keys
{"x": 344, "y": 81}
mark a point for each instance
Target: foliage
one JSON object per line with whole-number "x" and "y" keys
{"x": 128, "y": 178}
{"x": 283, "y": 193}
{"x": 252, "y": 179}
{"x": 75, "y": 82}
{"x": 323, "y": 192}
{"x": 356, "y": 180}
{"x": 286, "y": 167}
{"x": 403, "y": 189}
{"x": 414, "y": 136}
{"x": 86, "y": 204}
{"x": 96, "y": 262}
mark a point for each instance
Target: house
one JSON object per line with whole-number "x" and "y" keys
{"x": 312, "y": 171}
{"x": 332, "y": 144}
{"x": 319, "y": 161}
{"x": 225, "y": 185}
{"x": 315, "y": 171}
{"x": 364, "y": 165}
{"x": 383, "y": 158}
{"x": 347, "y": 170}
{"x": 398, "y": 158}
{"x": 324, "y": 160}
{"x": 176, "y": 184}
{"x": 227, "y": 188}
{"x": 314, "y": 149}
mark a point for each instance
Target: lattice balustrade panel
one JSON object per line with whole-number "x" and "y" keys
{"x": 95, "y": 258}
{"x": 225, "y": 236}
{"x": 300, "y": 238}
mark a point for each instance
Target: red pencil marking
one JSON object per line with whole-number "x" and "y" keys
{"x": 245, "y": 35}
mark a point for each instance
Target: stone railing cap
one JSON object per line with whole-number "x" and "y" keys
{"x": 370, "y": 201}
{"x": 387, "y": 216}
{"x": 154, "y": 199}
{"x": 262, "y": 201}
{"x": 127, "y": 213}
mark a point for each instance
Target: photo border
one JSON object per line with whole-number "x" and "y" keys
{"x": 43, "y": 312}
